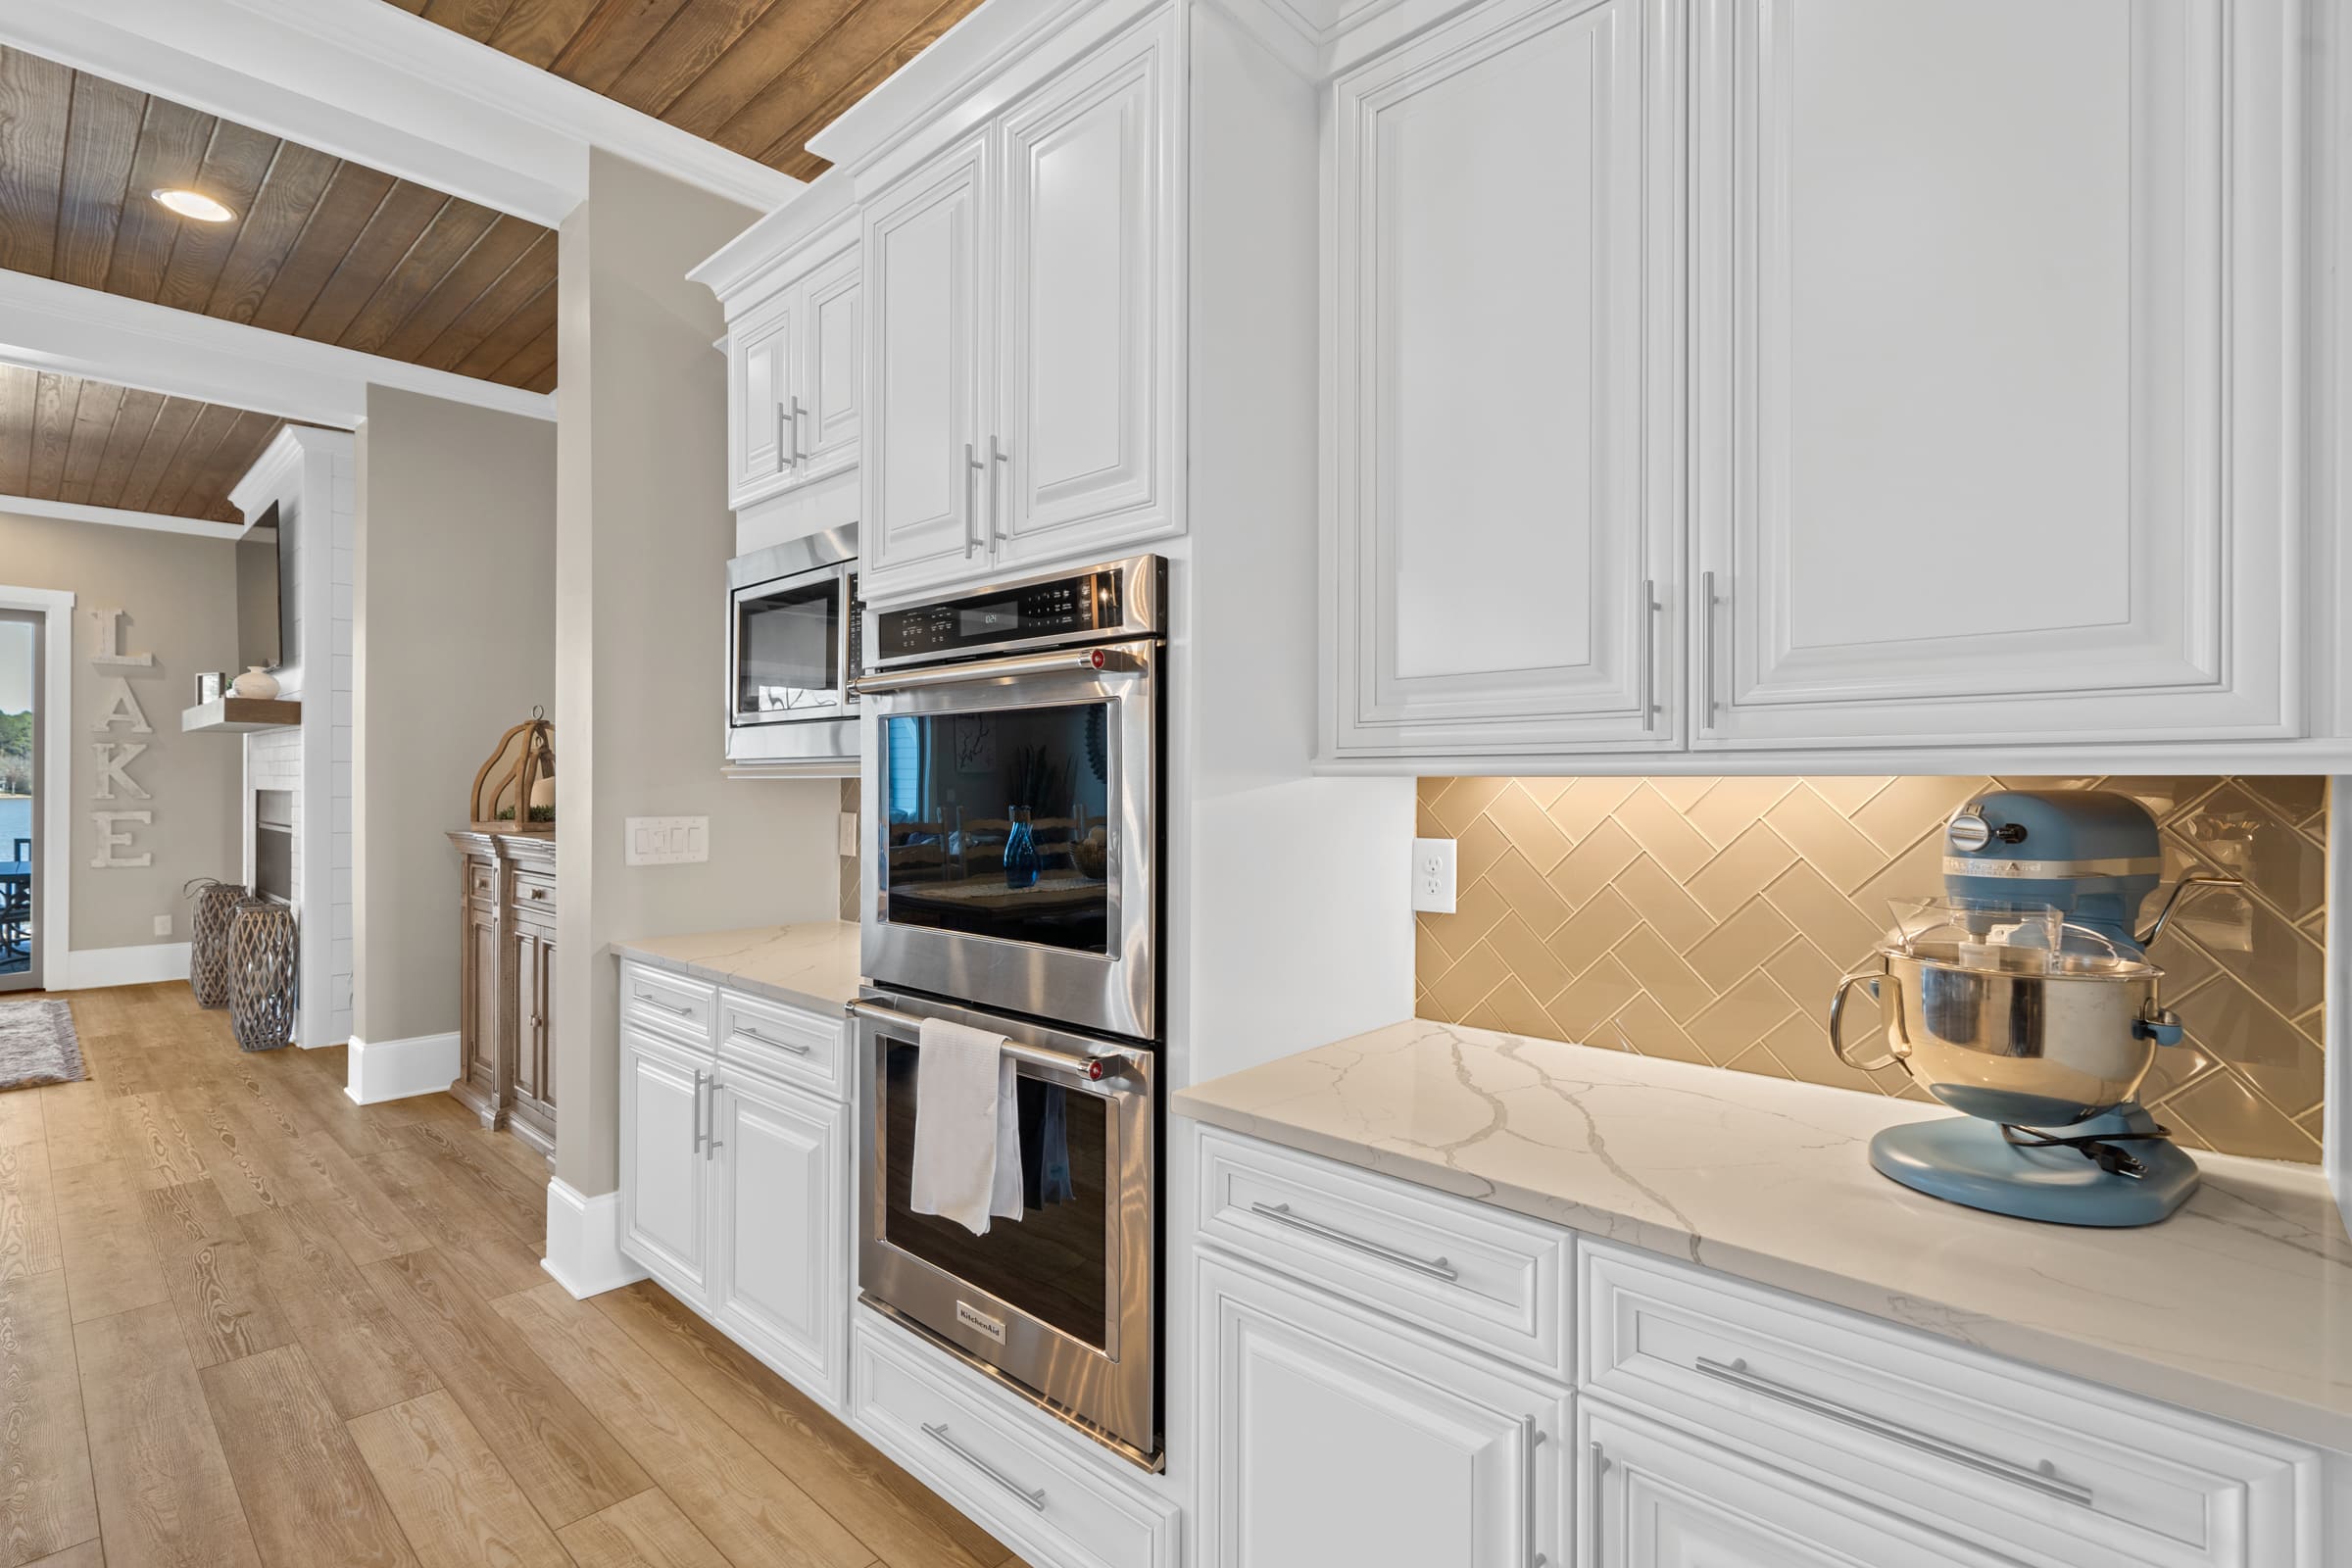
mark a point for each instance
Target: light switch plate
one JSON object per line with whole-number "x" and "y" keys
{"x": 665, "y": 840}
{"x": 848, "y": 834}
{"x": 1433, "y": 875}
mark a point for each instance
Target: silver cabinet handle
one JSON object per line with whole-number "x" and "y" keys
{"x": 1600, "y": 1465}
{"x": 938, "y": 1433}
{"x": 798, "y": 456}
{"x": 648, "y": 995}
{"x": 793, "y": 1046}
{"x": 971, "y": 501}
{"x": 996, "y": 528}
{"x": 712, "y": 1141}
{"x": 783, "y": 442}
{"x": 1649, "y": 650}
{"x": 1530, "y": 1437}
{"x": 2042, "y": 1478}
{"x": 1435, "y": 1268}
{"x": 1706, "y": 645}
{"x": 699, "y": 1133}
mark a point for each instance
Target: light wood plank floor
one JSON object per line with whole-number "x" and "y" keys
{"x": 245, "y": 1321}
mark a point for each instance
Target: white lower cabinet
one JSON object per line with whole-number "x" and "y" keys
{"x": 734, "y": 1183}
{"x": 782, "y": 1218}
{"x": 1653, "y": 1498}
{"x": 664, "y": 1185}
{"x": 1329, "y": 1436}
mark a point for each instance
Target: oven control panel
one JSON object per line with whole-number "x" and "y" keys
{"x": 1084, "y": 604}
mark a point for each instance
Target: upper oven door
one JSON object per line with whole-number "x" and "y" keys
{"x": 1012, "y": 861}
{"x": 789, "y": 648}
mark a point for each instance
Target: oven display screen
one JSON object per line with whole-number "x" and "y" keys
{"x": 1087, "y": 603}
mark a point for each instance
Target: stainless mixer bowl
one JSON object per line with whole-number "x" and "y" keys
{"x": 2038, "y": 1050}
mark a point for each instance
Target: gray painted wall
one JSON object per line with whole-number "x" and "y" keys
{"x": 180, "y": 595}
{"x": 453, "y": 641}
{"x": 642, "y": 535}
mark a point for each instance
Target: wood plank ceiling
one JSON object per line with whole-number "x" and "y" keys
{"x": 320, "y": 248}
{"x": 757, "y": 76}
{"x": 63, "y": 438}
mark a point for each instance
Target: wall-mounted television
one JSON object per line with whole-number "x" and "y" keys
{"x": 264, "y": 611}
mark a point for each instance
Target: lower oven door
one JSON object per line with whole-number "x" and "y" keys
{"x": 1062, "y": 1302}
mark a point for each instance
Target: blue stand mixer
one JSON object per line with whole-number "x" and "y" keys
{"x": 2024, "y": 999}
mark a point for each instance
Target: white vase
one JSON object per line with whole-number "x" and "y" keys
{"x": 255, "y": 684}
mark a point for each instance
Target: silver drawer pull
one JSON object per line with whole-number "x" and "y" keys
{"x": 648, "y": 995}
{"x": 1435, "y": 1268}
{"x": 2042, "y": 1478}
{"x": 939, "y": 1433}
{"x": 793, "y": 1046}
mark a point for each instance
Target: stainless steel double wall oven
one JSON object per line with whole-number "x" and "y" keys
{"x": 1013, "y": 857}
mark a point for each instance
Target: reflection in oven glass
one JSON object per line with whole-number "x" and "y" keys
{"x": 998, "y": 823}
{"x": 1054, "y": 1263}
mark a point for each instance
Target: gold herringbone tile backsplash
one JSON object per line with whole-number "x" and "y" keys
{"x": 1707, "y": 918}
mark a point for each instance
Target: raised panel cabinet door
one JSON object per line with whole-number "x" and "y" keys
{"x": 478, "y": 1021}
{"x": 665, "y": 1174}
{"x": 1652, "y": 1497}
{"x": 1506, "y": 384}
{"x": 760, "y": 450}
{"x": 1994, "y": 412}
{"x": 1330, "y": 1437}
{"x": 1082, "y": 453}
{"x": 781, "y": 1223}
{"x": 832, "y": 380}
{"x": 925, "y": 246}
{"x": 534, "y": 956}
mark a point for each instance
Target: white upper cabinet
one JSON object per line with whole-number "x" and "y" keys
{"x": 924, "y": 250}
{"x": 759, "y": 400}
{"x": 832, "y": 366}
{"x": 1086, "y": 319}
{"x": 1505, "y": 332}
{"x": 1991, "y": 433}
{"x": 795, "y": 373}
{"x": 1022, "y": 292}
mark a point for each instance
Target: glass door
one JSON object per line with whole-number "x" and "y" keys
{"x": 20, "y": 808}
{"x": 789, "y": 649}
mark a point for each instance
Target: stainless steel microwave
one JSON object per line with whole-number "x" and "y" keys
{"x": 792, "y": 649}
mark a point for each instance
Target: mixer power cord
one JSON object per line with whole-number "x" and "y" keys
{"x": 2099, "y": 1148}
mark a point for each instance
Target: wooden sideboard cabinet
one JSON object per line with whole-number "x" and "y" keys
{"x": 506, "y": 982}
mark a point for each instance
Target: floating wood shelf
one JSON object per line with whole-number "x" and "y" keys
{"x": 235, "y": 716}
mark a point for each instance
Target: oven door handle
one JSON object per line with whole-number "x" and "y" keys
{"x": 1081, "y": 661}
{"x": 1105, "y": 1068}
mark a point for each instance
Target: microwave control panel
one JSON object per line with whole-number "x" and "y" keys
{"x": 1082, "y": 606}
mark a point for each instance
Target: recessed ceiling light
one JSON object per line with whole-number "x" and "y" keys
{"x": 194, "y": 204}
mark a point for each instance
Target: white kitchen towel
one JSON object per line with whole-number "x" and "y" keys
{"x": 967, "y": 1128}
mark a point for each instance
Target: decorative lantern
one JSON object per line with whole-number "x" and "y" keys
{"x": 261, "y": 950}
{"x": 515, "y": 790}
{"x": 208, "y": 938}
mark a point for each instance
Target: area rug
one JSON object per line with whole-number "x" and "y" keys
{"x": 37, "y": 1045}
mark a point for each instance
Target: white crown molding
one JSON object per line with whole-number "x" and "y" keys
{"x": 118, "y": 517}
{"x": 267, "y": 480}
{"x": 820, "y": 219}
{"x": 80, "y": 332}
{"x": 370, "y": 82}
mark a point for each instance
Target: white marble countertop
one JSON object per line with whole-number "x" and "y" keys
{"x": 812, "y": 965}
{"x": 2240, "y": 1305}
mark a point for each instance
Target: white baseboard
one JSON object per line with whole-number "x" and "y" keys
{"x": 87, "y": 968}
{"x": 583, "y": 1240}
{"x": 395, "y": 1069}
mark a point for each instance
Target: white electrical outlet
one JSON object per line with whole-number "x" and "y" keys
{"x": 163, "y": 925}
{"x": 665, "y": 840}
{"x": 1433, "y": 875}
{"x": 849, "y": 833}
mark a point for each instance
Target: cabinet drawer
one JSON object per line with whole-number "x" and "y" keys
{"x": 1475, "y": 1274}
{"x": 1997, "y": 1453}
{"x": 1006, "y": 1465}
{"x": 676, "y": 1006}
{"x": 781, "y": 1041}
{"x": 482, "y": 882}
{"x": 535, "y": 896}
